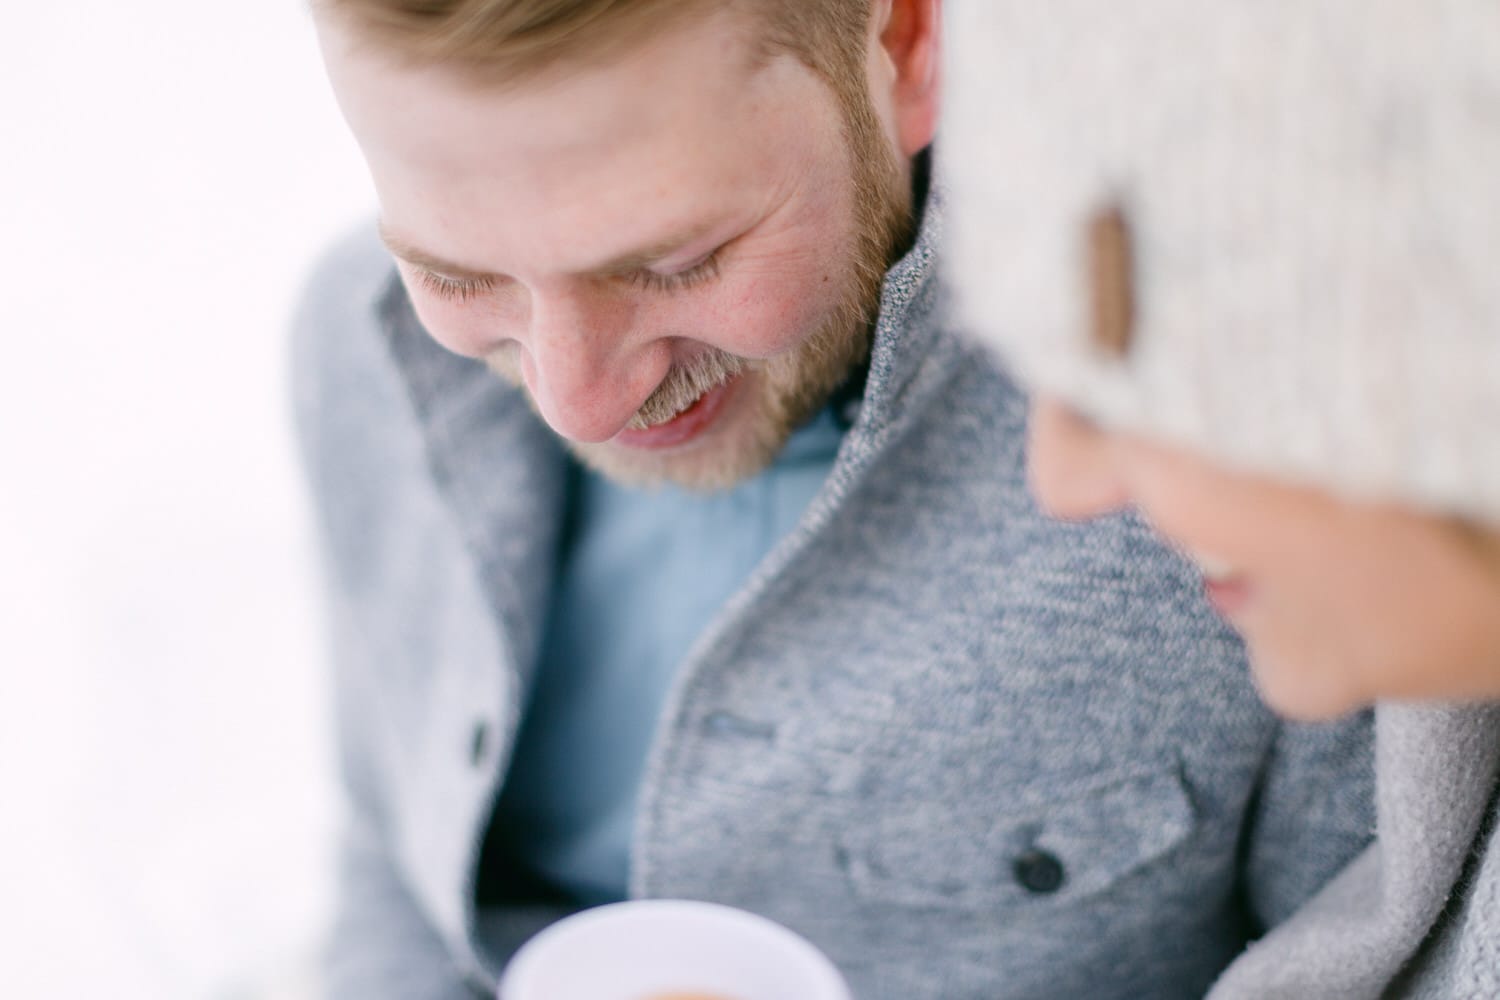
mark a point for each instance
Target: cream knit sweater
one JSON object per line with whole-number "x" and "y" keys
{"x": 1312, "y": 189}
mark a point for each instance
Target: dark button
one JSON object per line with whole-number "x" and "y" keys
{"x": 1039, "y": 871}
{"x": 479, "y": 748}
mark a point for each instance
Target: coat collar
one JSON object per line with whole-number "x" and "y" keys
{"x": 904, "y": 331}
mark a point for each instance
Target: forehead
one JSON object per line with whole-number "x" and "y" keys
{"x": 690, "y": 122}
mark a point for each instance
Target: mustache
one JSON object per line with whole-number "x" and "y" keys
{"x": 684, "y": 384}
{"x": 682, "y": 387}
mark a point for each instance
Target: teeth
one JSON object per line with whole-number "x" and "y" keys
{"x": 1213, "y": 568}
{"x": 685, "y": 407}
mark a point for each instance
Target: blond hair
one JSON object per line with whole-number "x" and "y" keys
{"x": 501, "y": 41}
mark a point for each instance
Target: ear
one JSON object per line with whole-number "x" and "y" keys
{"x": 909, "y": 33}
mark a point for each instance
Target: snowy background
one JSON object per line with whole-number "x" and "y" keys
{"x": 168, "y": 170}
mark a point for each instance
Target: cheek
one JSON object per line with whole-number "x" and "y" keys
{"x": 1312, "y": 656}
{"x": 455, "y": 329}
{"x": 1415, "y": 618}
{"x": 796, "y": 276}
{"x": 471, "y": 328}
{"x": 1204, "y": 510}
{"x": 761, "y": 317}
{"x": 1324, "y": 625}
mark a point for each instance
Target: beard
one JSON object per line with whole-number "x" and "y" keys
{"x": 781, "y": 393}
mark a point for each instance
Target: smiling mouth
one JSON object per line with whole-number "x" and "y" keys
{"x": 684, "y": 426}
{"x": 1226, "y": 587}
{"x": 689, "y": 405}
{"x": 1214, "y": 569}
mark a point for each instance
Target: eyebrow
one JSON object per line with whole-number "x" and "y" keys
{"x": 632, "y": 260}
{"x": 642, "y": 258}
{"x": 413, "y": 254}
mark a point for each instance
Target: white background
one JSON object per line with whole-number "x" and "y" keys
{"x": 168, "y": 170}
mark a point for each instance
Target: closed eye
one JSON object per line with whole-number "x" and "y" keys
{"x": 451, "y": 288}
{"x": 704, "y": 271}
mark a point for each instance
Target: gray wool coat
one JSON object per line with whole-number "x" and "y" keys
{"x": 1418, "y": 914}
{"x": 968, "y": 751}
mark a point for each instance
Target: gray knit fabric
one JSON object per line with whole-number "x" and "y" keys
{"x": 927, "y": 703}
{"x": 1424, "y": 899}
{"x": 1311, "y": 188}
{"x": 1463, "y": 958}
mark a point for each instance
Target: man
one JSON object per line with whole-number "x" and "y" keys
{"x": 779, "y": 627}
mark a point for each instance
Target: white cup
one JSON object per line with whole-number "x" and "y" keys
{"x": 670, "y": 948}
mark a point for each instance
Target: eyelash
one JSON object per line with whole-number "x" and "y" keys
{"x": 464, "y": 289}
{"x": 455, "y": 289}
{"x": 682, "y": 280}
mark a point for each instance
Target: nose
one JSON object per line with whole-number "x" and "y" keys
{"x": 1072, "y": 468}
{"x": 586, "y": 373}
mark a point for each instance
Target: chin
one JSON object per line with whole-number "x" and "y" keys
{"x": 699, "y": 474}
{"x": 1304, "y": 693}
{"x": 721, "y": 461}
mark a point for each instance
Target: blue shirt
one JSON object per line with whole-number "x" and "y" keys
{"x": 641, "y": 575}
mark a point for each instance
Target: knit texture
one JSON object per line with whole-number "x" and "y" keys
{"x": 1425, "y": 899}
{"x": 925, "y": 688}
{"x": 1314, "y": 214}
